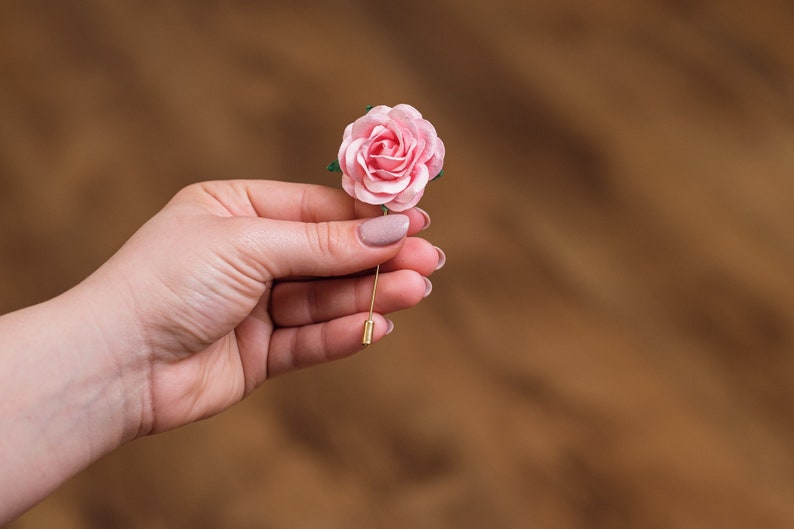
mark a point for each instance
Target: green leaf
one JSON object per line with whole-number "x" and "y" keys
{"x": 334, "y": 167}
{"x": 439, "y": 175}
{"x": 369, "y": 107}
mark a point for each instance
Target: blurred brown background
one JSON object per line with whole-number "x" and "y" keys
{"x": 610, "y": 344}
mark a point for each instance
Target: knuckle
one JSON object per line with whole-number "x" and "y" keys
{"x": 323, "y": 239}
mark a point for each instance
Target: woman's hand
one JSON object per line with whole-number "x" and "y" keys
{"x": 231, "y": 283}
{"x": 237, "y": 281}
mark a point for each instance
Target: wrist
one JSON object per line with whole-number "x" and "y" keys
{"x": 112, "y": 340}
{"x": 70, "y": 393}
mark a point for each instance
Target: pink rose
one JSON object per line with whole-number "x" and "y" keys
{"x": 388, "y": 156}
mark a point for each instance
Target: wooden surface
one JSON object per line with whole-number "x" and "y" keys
{"x": 611, "y": 343}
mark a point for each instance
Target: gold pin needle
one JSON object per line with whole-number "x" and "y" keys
{"x": 369, "y": 325}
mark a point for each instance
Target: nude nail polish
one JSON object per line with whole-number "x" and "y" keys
{"x": 442, "y": 258}
{"x": 383, "y": 231}
{"x": 428, "y": 286}
{"x": 425, "y": 216}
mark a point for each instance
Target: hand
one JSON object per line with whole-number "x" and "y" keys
{"x": 234, "y": 282}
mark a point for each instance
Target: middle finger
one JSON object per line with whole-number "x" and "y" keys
{"x": 295, "y": 303}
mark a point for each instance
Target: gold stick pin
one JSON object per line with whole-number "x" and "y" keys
{"x": 369, "y": 325}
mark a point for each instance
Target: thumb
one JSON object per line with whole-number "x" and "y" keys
{"x": 333, "y": 248}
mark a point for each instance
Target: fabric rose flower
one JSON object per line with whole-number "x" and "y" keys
{"x": 388, "y": 156}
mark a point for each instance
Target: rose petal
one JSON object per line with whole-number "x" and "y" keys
{"x": 388, "y": 163}
{"x": 427, "y": 132}
{"x": 405, "y": 110}
{"x": 409, "y": 196}
{"x": 365, "y": 195}
{"x": 385, "y": 147}
{"x": 408, "y": 156}
{"x": 350, "y": 163}
{"x": 419, "y": 180}
{"x": 379, "y": 109}
{"x": 348, "y": 185}
{"x": 363, "y": 126}
{"x": 381, "y": 185}
{"x": 397, "y": 206}
{"x": 436, "y": 163}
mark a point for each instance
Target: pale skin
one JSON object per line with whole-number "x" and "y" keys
{"x": 230, "y": 284}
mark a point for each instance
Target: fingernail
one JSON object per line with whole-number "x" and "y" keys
{"x": 384, "y": 230}
{"x": 426, "y": 216}
{"x": 442, "y": 258}
{"x": 428, "y": 286}
{"x": 389, "y": 326}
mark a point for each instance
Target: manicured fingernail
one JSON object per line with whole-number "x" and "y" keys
{"x": 426, "y": 216}
{"x": 389, "y": 326}
{"x": 442, "y": 258}
{"x": 428, "y": 286}
{"x": 384, "y": 230}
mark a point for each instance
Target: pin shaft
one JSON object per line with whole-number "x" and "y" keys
{"x": 369, "y": 324}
